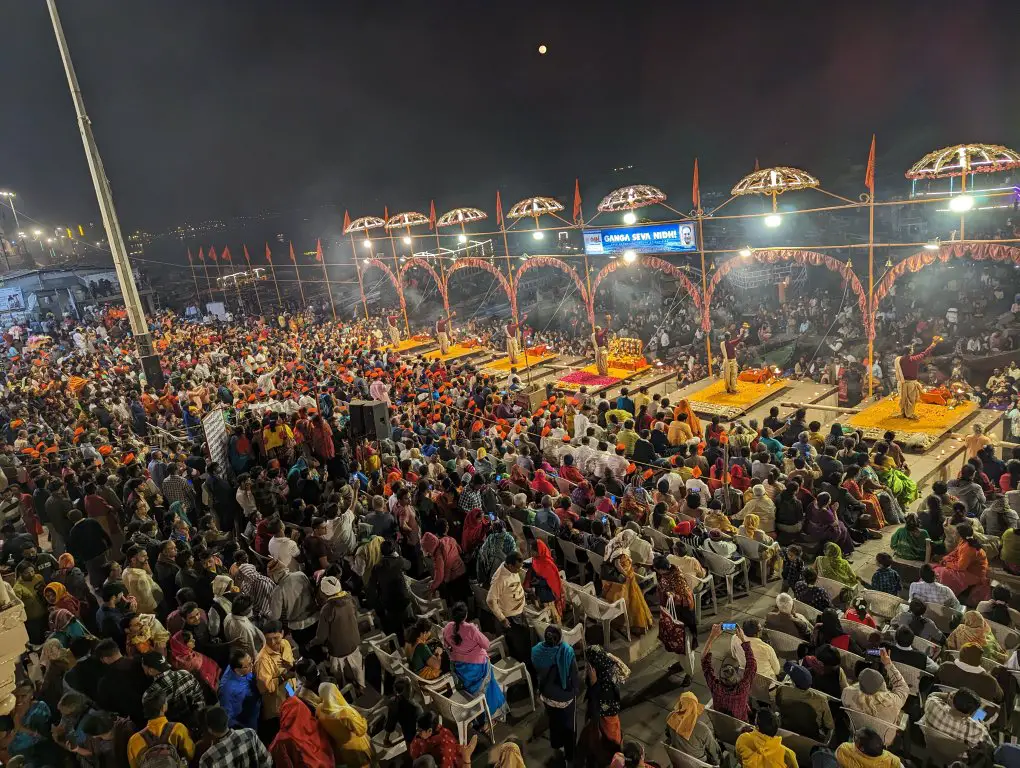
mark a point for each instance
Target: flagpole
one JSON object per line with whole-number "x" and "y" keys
{"x": 272, "y": 270}
{"x": 194, "y": 277}
{"x": 254, "y": 282}
{"x": 325, "y": 275}
{"x": 442, "y": 272}
{"x": 219, "y": 274}
{"x": 869, "y": 321}
{"x": 513, "y": 291}
{"x": 205, "y": 267}
{"x": 361, "y": 285}
{"x": 297, "y": 271}
{"x": 400, "y": 285}
{"x": 228, "y": 257}
{"x": 704, "y": 275}
{"x": 579, "y": 223}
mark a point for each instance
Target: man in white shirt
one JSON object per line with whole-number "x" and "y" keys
{"x": 284, "y": 549}
{"x": 928, "y": 590}
{"x": 768, "y": 663}
{"x": 615, "y": 462}
{"x": 698, "y": 486}
{"x": 581, "y": 422}
{"x": 584, "y": 454}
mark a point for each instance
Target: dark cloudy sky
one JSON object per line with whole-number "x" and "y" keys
{"x": 214, "y": 108}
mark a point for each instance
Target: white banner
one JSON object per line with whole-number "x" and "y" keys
{"x": 215, "y": 425}
{"x": 12, "y": 300}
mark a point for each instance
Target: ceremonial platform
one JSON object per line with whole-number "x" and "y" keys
{"x": 411, "y": 344}
{"x": 533, "y": 359}
{"x": 625, "y": 361}
{"x": 456, "y": 352}
{"x": 710, "y": 398}
{"x": 920, "y": 435}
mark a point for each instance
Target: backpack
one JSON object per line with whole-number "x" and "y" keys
{"x": 158, "y": 751}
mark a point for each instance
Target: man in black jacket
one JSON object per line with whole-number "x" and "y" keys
{"x": 387, "y": 591}
{"x": 905, "y": 653}
{"x": 89, "y": 543}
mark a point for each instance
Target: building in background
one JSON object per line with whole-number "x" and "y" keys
{"x": 32, "y": 294}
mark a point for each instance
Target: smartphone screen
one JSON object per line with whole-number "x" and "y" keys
{"x": 605, "y": 520}
{"x": 499, "y": 478}
{"x": 874, "y": 652}
{"x": 612, "y": 498}
{"x": 729, "y": 627}
{"x": 289, "y": 689}
{"x": 492, "y": 517}
{"x": 979, "y": 714}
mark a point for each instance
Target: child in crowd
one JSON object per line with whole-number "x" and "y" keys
{"x": 793, "y": 566}
{"x": 885, "y": 578}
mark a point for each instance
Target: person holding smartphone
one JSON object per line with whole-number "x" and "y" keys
{"x": 730, "y": 688}
{"x": 871, "y": 694}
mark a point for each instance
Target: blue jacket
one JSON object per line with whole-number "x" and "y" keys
{"x": 240, "y": 698}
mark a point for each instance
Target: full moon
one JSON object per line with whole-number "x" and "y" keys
{"x": 542, "y": 49}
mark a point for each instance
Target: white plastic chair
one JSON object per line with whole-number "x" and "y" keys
{"x": 573, "y": 637}
{"x": 599, "y": 611}
{"x": 888, "y": 731}
{"x": 752, "y": 550}
{"x": 563, "y": 485}
{"x": 680, "y": 759}
{"x": 809, "y": 612}
{"x": 849, "y": 661}
{"x": 832, "y": 587}
{"x": 939, "y": 748}
{"x": 1007, "y": 637}
{"x": 726, "y": 569}
{"x": 705, "y": 586}
{"x": 391, "y": 661}
{"x": 569, "y": 550}
{"x": 859, "y": 632}
{"x": 943, "y": 616}
{"x": 882, "y": 604}
{"x": 927, "y": 647}
{"x": 507, "y": 670}
{"x": 660, "y": 541}
{"x": 457, "y": 708}
{"x": 912, "y": 676}
{"x": 783, "y": 644}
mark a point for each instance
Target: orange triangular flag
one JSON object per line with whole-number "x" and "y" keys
{"x": 269, "y": 255}
{"x": 577, "y": 201}
{"x": 432, "y": 215}
{"x": 189, "y": 257}
{"x": 347, "y": 221}
{"x": 869, "y": 174}
{"x": 386, "y": 213}
{"x": 201, "y": 256}
{"x": 318, "y": 250}
{"x": 756, "y": 164}
{"x": 226, "y": 253}
{"x": 293, "y": 258}
{"x": 499, "y": 210}
{"x": 212, "y": 253}
{"x": 247, "y": 258}
{"x": 696, "y": 189}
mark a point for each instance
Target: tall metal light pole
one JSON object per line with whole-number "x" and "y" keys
{"x": 132, "y": 301}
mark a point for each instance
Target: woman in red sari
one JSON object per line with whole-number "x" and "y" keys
{"x": 739, "y": 478}
{"x": 544, "y": 577}
{"x": 474, "y": 531}
{"x": 542, "y": 485}
{"x": 676, "y": 598}
{"x": 184, "y": 656}
{"x": 869, "y": 499}
{"x": 966, "y": 567}
{"x": 301, "y": 741}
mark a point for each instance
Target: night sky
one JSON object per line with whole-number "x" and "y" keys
{"x": 212, "y": 109}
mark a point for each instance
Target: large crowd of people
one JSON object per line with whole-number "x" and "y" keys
{"x": 211, "y": 603}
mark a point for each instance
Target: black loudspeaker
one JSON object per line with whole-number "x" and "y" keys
{"x": 153, "y": 371}
{"x": 369, "y": 419}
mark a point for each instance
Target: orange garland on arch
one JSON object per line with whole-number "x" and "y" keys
{"x": 920, "y": 260}
{"x": 487, "y": 267}
{"x": 393, "y": 279}
{"x": 416, "y": 261}
{"x": 548, "y": 261}
{"x": 645, "y": 261}
{"x": 808, "y": 258}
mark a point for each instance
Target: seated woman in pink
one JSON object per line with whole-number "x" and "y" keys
{"x": 966, "y": 567}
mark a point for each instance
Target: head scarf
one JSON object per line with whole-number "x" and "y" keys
{"x": 685, "y": 714}
{"x": 974, "y": 629}
{"x": 497, "y": 545}
{"x": 609, "y": 674}
{"x": 51, "y": 651}
{"x": 692, "y": 419}
{"x": 299, "y": 728}
{"x": 562, "y": 655}
{"x": 541, "y": 485}
{"x": 60, "y": 618}
{"x": 751, "y": 523}
{"x": 508, "y": 755}
{"x": 543, "y": 564}
{"x": 333, "y": 705}
{"x": 832, "y": 565}
{"x": 429, "y": 543}
{"x": 473, "y": 533}
{"x": 183, "y": 657}
{"x": 619, "y": 545}
{"x": 66, "y": 561}
{"x": 373, "y": 554}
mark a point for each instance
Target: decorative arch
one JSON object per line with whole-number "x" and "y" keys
{"x": 654, "y": 262}
{"x": 808, "y": 258}
{"x": 486, "y": 266}
{"x": 547, "y": 261}
{"x": 393, "y": 278}
{"x": 417, "y": 261}
{"x": 922, "y": 259}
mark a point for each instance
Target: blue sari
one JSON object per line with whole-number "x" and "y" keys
{"x": 474, "y": 677}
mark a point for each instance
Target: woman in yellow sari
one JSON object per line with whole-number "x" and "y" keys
{"x": 977, "y": 631}
{"x": 345, "y": 726}
{"x": 770, "y": 551}
{"x": 692, "y": 420}
{"x": 620, "y": 580}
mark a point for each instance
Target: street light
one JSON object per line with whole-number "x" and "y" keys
{"x": 961, "y": 203}
{"x": 630, "y": 217}
{"x": 745, "y": 252}
{"x": 462, "y": 238}
{"x": 933, "y": 245}
{"x": 773, "y": 220}
{"x": 629, "y": 256}
{"x": 37, "y": 232}
{"x": 538, "y": 235}
{"x": 367, "y": 242}
{"x": 408, "y": 240}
